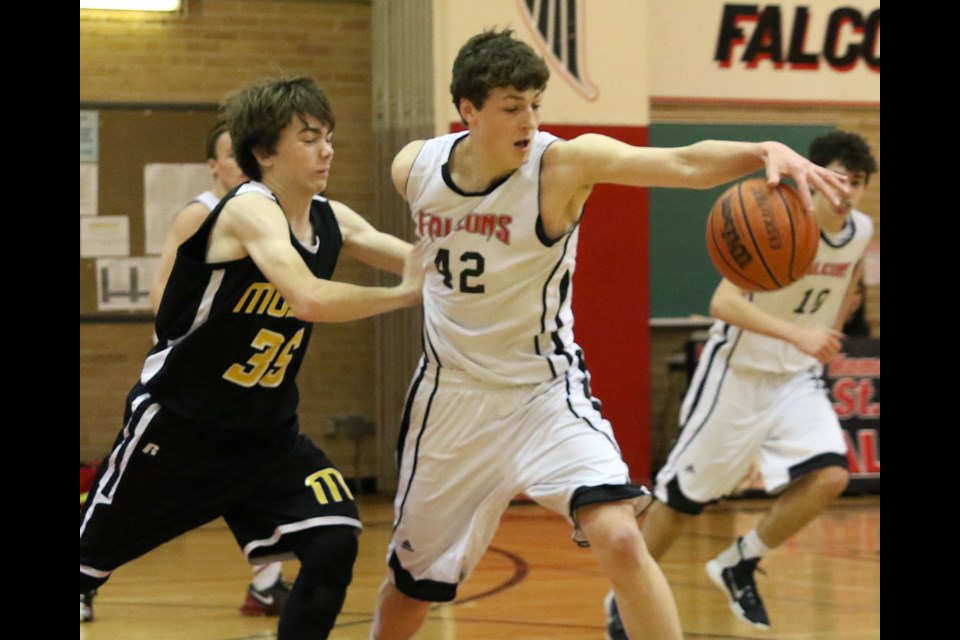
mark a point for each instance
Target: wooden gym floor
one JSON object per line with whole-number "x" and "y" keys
{"x": 533, "y": 583}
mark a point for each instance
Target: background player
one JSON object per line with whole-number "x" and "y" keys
{"x": 757, "y": 394}
{"x": 211, "y": 425}
{"x": 501, "y": 403}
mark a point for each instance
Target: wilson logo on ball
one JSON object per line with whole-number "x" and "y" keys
{"x": 761, "y": 239}
{"x": 730, "y": 236}
{"x": 769, "y": 218}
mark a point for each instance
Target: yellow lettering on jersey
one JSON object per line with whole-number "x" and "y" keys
{"x": 263, "y": 298}
{"x": 278, "y": 306}
{"x": 330, "y": 487}
{"x": 269, "y": 364}
{"x": 257, "y": 293}
{"x": 275, "y": 376}
{"x": 267, "y": 343}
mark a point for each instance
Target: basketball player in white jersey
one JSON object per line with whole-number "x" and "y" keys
{"x": 501, "y": 402}
{"x": 267, "y": 590}
{"x": 757, "y": 395}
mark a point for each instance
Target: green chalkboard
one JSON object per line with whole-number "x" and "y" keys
{"x": 682, "y": 278}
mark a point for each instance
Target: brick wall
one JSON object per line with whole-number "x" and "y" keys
{"x": 215, "y": 47}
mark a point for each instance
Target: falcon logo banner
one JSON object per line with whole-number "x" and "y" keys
{"x": 558, "y": 29}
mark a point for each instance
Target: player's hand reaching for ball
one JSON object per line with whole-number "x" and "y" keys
{"x": 783, "y": 161}
{"x": 820, "y": 342}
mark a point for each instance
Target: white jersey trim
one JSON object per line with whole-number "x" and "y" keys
{"x": 154, "y": 362}
{"x": 120, "y": 458}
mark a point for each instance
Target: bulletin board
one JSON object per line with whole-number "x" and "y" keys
{"x": 128, "y": 137}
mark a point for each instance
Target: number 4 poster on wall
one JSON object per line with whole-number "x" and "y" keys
{"x": 123, "y": 284}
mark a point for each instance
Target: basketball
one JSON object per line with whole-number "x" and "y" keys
{"x": 761, "y": 239}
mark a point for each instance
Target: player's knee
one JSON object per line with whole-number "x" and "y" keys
{"x": 832, "y": 481}
{"x": 326, "y": 558}
{"x": 621, "y": 541}
{"x": 328, "y": 552}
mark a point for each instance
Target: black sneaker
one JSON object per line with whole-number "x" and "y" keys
{"x": 86, "y": 606}
{"x": 738, "y": 583}
{"x": 615, "y": 630}
{"x": 268, "y": 602}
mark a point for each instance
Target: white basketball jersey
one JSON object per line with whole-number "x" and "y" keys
{"x": 497, "y": 294}
{"x": 208, "y": 199}
{"x": 812, "y": 301}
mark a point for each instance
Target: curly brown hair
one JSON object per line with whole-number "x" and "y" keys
{"x": 495, "y": 59}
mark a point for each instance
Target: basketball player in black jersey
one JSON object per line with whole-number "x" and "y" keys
{"x": 211, "y": 426}
{"x": 267, "y": 591}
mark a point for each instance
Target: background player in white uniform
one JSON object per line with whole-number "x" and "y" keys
{"x": 227, "y": 174}
{"x": 501, "y": 402}
{"x": 757, "y": 395}
{"x": 267, "y": 591}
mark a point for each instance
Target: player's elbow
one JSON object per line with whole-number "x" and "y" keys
{"x": 717, "y": 308}
{"x": 720, "y": 305}
{"x": 726, "y": 299}
{"x": 692, "y": 176}
{"x": 317, "y": 307}
{"x": 309, "y": 309}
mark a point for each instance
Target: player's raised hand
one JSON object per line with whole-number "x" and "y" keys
{"x": 783, "y": 161}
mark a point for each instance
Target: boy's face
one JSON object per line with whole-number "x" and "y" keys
{"x": 506, "y": 124}
{"x": 857, "y": 181}
{"x": 225, "y": 169}
{"x": 303, "y": 156}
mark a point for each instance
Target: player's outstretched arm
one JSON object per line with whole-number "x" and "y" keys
{"x": 729, "y": 303}
{"x": 364, "y": 242}
{"x": 593, "y": 159}
{"x": 254, "y": 225}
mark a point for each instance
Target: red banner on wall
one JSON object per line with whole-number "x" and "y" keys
{"x": 853, "y": 380}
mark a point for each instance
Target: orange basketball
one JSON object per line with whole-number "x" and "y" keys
{"x": 761, "y": 239}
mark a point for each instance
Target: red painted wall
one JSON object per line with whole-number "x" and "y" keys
{"x": 611, "y": 301}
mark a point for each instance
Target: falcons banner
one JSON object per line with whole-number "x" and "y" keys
{"x": 853, "y": 380}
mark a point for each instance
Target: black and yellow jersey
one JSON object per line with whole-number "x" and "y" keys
{"x": 228, "y": 346}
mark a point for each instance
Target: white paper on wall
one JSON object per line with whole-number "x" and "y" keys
{"x": 104, "y": 236}
{"x": 167, "y": 187}
{"x": 88, "y": 188}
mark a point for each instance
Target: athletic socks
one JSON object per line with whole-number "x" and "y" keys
{"x": 746, "y": 548}
{"x": 265, "y": 575}
{"x": 752, "y": 546}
